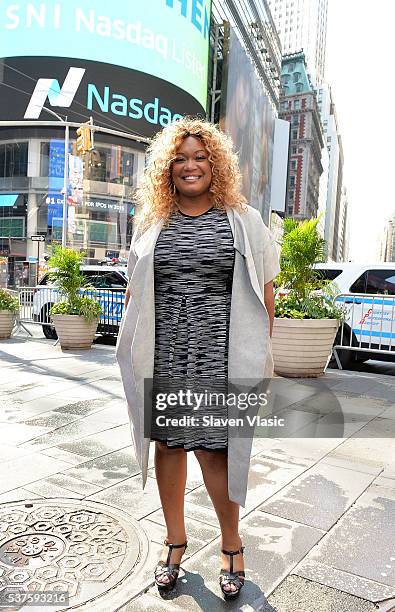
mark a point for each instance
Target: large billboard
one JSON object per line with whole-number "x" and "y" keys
{"x": 135, "y": 65}
{"x": 248, "y": 116}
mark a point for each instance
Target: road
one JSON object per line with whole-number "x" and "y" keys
{"x": 375, "y": 367}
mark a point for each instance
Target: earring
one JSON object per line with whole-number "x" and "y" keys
{"x": 173, "y": 189}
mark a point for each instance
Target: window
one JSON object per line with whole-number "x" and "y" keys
{"x": 292, "y": 181}
{"x": 297, "y": 104}
{"x": 291, "y": 196}
{"x": 113, "y": 164}
{"x": 13, "y": 159}
{"x": 293, "y": 164}
{"x": 381, "y": 281}
{"x": 296, "y": 77}
{"x": 360, "y": 284}
{"x": 100, "y": 231}
{"x": 291, "y": 67}
{"x": 294, "y": 134}
{"x": 329, "y": 275}
{"x": 12, "y": 227}
{"x": 285, "y": 78}
{"x": 299, "y": 87}
{"x": 295, "y": 120}
{"x": 106, "y": 280}
{"x": 52, "y": 160}
{"x": 293, "y": 150}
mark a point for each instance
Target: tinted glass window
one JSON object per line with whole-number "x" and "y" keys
{"x": 13, "y": 159}
{"x": 329, "y": 274}
{"x": 47, "y": 281}
{"x": 360, "y": 284}
{"x": 381, "y": 281}
{"x": 106, "y": 280}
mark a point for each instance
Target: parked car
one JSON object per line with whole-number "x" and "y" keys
{"x": 366, "y": 322}
{"x": 110, "y": 284}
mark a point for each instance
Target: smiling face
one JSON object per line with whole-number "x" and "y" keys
{"x": 191, "y": 169}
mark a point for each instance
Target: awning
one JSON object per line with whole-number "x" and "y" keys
{"x": 8, "y": 199}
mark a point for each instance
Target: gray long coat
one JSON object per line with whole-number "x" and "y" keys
{"x": 256, "y": 263}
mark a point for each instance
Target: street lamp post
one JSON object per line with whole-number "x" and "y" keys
{"x": 65, "y": 184}
{"x": 65, "y": 172}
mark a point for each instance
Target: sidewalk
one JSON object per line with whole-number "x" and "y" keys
{"x": 317, "y": 527}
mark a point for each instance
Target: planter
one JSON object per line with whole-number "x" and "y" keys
{"x": 7, "y": 320}
{"x": 301, "y": 347}
{"x": 74, "y": 332}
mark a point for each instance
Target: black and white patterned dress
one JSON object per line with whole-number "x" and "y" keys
{"x": 193, "y": 272}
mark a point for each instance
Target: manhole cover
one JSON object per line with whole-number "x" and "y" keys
{"x": 83, "y": 548}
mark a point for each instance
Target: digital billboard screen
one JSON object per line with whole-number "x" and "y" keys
{"x": 136, "y": 65}
{"x": 248, "y": 117}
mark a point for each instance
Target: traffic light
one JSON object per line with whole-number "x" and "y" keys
{"x": 84, "y": 140}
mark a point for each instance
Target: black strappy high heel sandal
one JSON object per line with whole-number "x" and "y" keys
{"x": 171, "y": 570}
{"x": 231, "y": 577}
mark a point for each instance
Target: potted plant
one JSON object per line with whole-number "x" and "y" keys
{"x": 76, "y": 317}
{"x": 9, "y": 306}
{"x": 306, "y": 318}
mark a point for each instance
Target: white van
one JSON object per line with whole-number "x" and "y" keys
{"x": 368, "y": 319}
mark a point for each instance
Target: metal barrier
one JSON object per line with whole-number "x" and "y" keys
{"x": 18, "y": 323}
{"x": 369, "y": 325}
{"x": 35, "y": 304}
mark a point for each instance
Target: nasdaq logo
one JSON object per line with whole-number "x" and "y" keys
{"x": 116, "y": 103}
{"x": 57, "y": 96}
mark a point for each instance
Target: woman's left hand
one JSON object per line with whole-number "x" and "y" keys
{"x": 268, "y": 294}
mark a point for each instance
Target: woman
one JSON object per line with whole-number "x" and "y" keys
{"x": 199, "y": 307}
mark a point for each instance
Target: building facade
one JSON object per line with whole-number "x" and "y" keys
{"x": 334, "y": 192}
{"x": 302, "y": 24}
{"x": 386, "y": 251}
{"x": 343, "y": 229}
{"x": 256, "y": 31}
{"x": 298, "y": 106}
{"x": 245, "y": 89}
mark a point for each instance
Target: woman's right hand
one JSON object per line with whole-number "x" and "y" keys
{"x": 127, "y": 297}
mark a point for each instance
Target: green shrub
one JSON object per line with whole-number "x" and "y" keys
{"x": 83, "y": 306}
{"x": 8, "y": 301}
{"x": 307, "y": 295}
{"x": 71, "y": 282}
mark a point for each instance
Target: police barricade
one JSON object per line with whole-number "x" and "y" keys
{"x": 368, "y": 327}
{"x": 36, "y": 302}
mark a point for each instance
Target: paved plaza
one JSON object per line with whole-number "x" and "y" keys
{"x": 317, "y": 526}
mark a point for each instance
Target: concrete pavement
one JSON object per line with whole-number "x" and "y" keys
{"x": 318, "y": 523}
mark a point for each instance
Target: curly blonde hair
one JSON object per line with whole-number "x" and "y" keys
{"x": 156, "y": 196}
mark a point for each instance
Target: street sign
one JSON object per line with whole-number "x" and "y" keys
{"x": 38, "y": 238}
